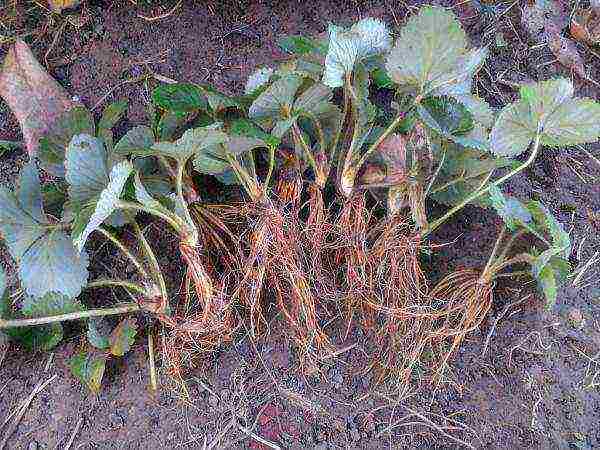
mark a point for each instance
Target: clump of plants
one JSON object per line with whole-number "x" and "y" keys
{"x": 334, "y": 159}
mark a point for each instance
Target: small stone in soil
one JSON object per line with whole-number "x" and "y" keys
{"x": 213, "y": 401}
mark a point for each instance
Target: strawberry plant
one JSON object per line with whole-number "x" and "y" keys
{"x": 333, "y": 189}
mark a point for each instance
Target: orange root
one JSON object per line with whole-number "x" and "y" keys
{"x": 202, "y": 324}
{"x": 403, "y": 306}
{"x": 351, "y": 254}
{"x": 467, "y": 299}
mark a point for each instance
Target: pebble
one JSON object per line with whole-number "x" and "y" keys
{"x": 213, "y": 401}
{"x": 33, "y": 446}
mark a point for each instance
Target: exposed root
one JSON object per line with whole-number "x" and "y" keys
{"x": 203, "y": 323}
{"x": 316, "y": 233}
{"x": 466, "y": 297}
{"x": 351, "y": 255}
{"x": 251, "y": 287}
{"x": 289, "y": 181}
{"x": 276, "y": 257}
{"x": 403, "y": 306}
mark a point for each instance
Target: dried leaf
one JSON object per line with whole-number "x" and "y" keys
{"x": 585, "y": 26}
{"x": 393, "y": 152}
{"x": 35, "y": 98}
{"x": 538, "y": 15}
{"x": 567, "y": 54}
{"x": 59, "y": 6}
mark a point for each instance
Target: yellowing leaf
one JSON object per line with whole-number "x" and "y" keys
{"x": 59, "y": 6}
{"x": 89, "y": 369}
{"x": 34, "y": 97}
{"x": 122, "y": 337}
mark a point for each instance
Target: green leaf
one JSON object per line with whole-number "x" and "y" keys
{"x": 244, "y": 127}
{"x": 242, "y": 139}
{"x": 98, "y": 332}
{"x": 364, "y": 39}
{"x": 218, "y": 101}
{"x": 123, "y": 337}
{"x": 365, "y": 109}
{"x": 40, "y": 338}
{"x": 479, "y": 109}
{"x": 180, "y": 97}
{"x": 276, "y": 99}
{"x": 511, "y": 210}
{"x": 431, "y": 53}
{"x": 52, "y": 147}
{"x": 170, "y": 123}
{"x": 283, "y": 126}
{"x": 107, "y": 203}
{"x": 301, "y": 45}
{"x": 50, "y": 305}
{"x": 137, "y": 139}
{"x": 6, "y": 146}
{"x": 47, "y": 260}
{"x": 87, "y": 169}
{"x": 88, "y": 368}
{"x": 112, "y": 114}
{"x": 548, "y": 285}
{"x": 315, "y": 101}
{"x": 55, "y": 196}
{"x": 545, "y": 222}
{"x": 193, "y": 141}
{"x": 549, "y": 108}
{"x": 88, "y": 174}
{"x": 258, "y": 79}
{"x": 550, "y": 274}
{"x": 446, "y": 116}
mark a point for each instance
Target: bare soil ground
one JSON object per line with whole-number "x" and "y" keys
{"x": 532, "y": 384}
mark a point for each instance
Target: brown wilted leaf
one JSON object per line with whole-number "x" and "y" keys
{"x": 372, "y": 174}
{"x": 34, "y": 97}
{"x": 393, "y": 152}
{"x": 59, "y": 6}
{"x": 566, "y": 52}
{"x": 585, "y": 26}
{"x": 537, "y": 14}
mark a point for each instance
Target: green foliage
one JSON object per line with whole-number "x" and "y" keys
{"x": 88, "y": 368}
{"x": 367, "y": 38}
{"x": 179, "y": 97}
{"x": 551, "y": 267}
{"x": 431, "y": 56}
{"x": 48, "y": 262}
{"x": 52, "y": 147}
{"x": 549, "y": 110}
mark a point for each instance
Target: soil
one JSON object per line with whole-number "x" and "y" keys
{"x": 534, "y": 385}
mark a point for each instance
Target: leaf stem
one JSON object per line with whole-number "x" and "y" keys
{"x": 192, "y": 232}
{"x": 389, "y": 130}
{"x": 175, "y": 223}
{"x": 478, "y": 193}
{"x": 492, "y": 257}
{"x": 117, "y": 283}
{"x": 153, "y": 261}
{"x": 151, "y": 361}
{"x": 271, "y": 168}
{"x": 117, "y": 242}
{"x": 298, "y": 136}
{"x": 122, "y": 309}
